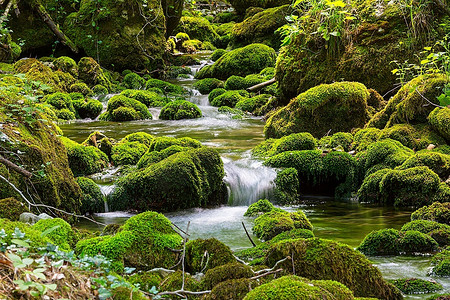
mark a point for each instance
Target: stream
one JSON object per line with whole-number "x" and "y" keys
{"x": 248, "y": 181}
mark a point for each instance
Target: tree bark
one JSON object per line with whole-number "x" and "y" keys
{"x": 15, "y": 167}
{"x": 55, "y": 28}
{"x": 261, "y": 85}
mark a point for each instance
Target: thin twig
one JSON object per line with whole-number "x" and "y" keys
{"x": 240, "y": 260}
{"x": 276, "y": 264}
{"x": 248, "y": 235}
{"x": 184, "y": 252}
{"x": 434, "y": 104}
{"x": 265, "y": 274}
{"x": 178, "y": 293}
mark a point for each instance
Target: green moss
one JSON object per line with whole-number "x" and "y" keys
{"x": 186, "y": 179}
{"x": 217, "y": 54}
{"x": 388, "y": 152}
{"x": 31, "y": 234}
{"x": 229, "y": 98}
{"x": 241, "y": 6}
{"x": 412, "y": 241}
{"x": 60, "y": 101}
{"x": 88, "y": 108}
{"x": 364, "y": 137}
{"x": 152, "y": 157}
{"x": 65, "y": 114}
{"x": 61, "y": 235}
{"x": 253, "y": 105}
{"x": 240, "y": 83}
{"x": 84, "y": 160}
{"x": 197, "y": 28}
{"x": 225, "y": 272}
{"x": 232, "y": 289}
{"x": 99, "y": 90}
{"x": 261, "y": 27}
{"x": 180, "y": 109}
{"x": 439, "y": 119}
{"x": 11, "y": 209}
{"x": 67, "y": 65}
{"x": 174, "y": 281}
{"x": 215, "y": 93}
{"x": 341, "y": 140}
{"x": 161, "y": 143}
{"x": 166, "y": 87}
{"x": 293, "y": 287}
{"x": 81, "y": 88}
{"x": 416, "y": 286}
{"x": 317, "y": 259}
{"x": 437, "y": 162}
{"x": 441, "y": 262}
{"x": 219, "y": 254}
{"x": 146, "y": 280}
{"x": 275, "y": 222}
{"x": 321, "y": 109}
{"x": 133, "y": 81}
{"x": 128, "y": 153}
{"x": 260, "y": 207}
{"x": 438, "y": 212}
{"x": 143, "y": 243}
{"x": 91, "y": 73}
{"x": 149, "y": 98}
{"x": 243, "y": 61}
{"x": 205, "y": 86}
{"x": 122, "y": 108}
{"x": 287, "y": 186}
{"x": 92, "y": 200}
{"x": 424, "y": 226}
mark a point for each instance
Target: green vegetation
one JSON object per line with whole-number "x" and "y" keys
{"x": 180, "y": 109}
{"x": 258, "y": 208}
{"x": 218, "y": 253}
{"x": 127, "y": 152}
{"x": 205, "y": 86}
{"x": 416, "y": 286}
{"x": 11, "y": 209}
{"x": 149, "y": 98}
{"x": 122, "y": 108}
{"x": 438, "y": 212}
{"x": 229, "y": 98}
{"x": 274, "y": 222}
{"x": 92, "y": 199}
{"x": 61, "y": 232}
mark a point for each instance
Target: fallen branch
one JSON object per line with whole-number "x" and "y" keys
{"x": 15, "y": 167}
{"x": 261, "y": 85}
{"x": 265, "y": 274}
{"x": 55, "y": 28}
{"x": 248, "y": 235}
{"x": 240, "y": 260}
{"x": 181, "y": 293}
{"x": 184, "y": 253}
{"x": 270, "y": 270}
{"x": 425, "y": 98}
{"x": 30, "y": 203}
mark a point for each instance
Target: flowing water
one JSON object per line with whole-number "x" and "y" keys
{"x": 247, "y": 181}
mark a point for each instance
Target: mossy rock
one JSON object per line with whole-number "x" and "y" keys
{"x": 339, "y": 106}
{"x": 197, "y": 28}
{"x": 364, "y": 137}
{"x": 142, "y": 243}
{"x": 437, "y": 162}
{"x": 416, "y": 286}
{"x": 67, "y": 65}
{"x": 292, "y": 142}
{"x": 242, "y": 5}
{"x": 180, "y": 109}
{"x": 122, "y": 108}
{"x": 229, "y": 98}
{"x": 90, "y": 72}
{"x": 84, "y": 160}
{"x": 232, "y": 289}
{"x": 99, "y": 90}
{"x": 117, "y": 26}
{"x": 163, "y": 142}
{"x": 254, "y": 104}
{"x": 100, "y": 141}
{"x": 31, "y": 234}
{"x": 166, "y": 87}
{"x": 413, "y": 187}
{"x": 186, "y": 179}
{"x": 217, "y": 54}
{"x": 225, "y": 272}
{"x": 152, "y": 157}
{"x": 261, "y": 27}
{"x": 243, "y": 61}
{"x": 61, "y": 232}
{"x": 438, "y": 212}
{"x": 60, "y": 101}
{"x": 174, "y": 281}
{"x": 387, "y": 152}
{"x": 88, "y": 108}
{"x": 146, "y": 280}
{"x": 413, "y": 241}
{"x": 441, "y": 263}
{"x": 11, "y": 209}
{"x": 92, "y": 200}
{"x": 80, "y": 87}
{"x": 133, "y": 81}
{"x": 275, "y": 222}
{"x": 215, "y": 93}
{"x": 294, "y": 287}
{"x": 439, "y": 119}
{"x": 218, "y": 253}
{"x": 258, "y": 208}
{"x": 318, "y": 259}
{"x": 380, "y": 242}
{"x": 205, "y": 86}
{"x": 242, "y": 83}
{"x": 287, "y": 186}
{"x": 149, "y": 98}
{"x": 424, "y": 226}
{"x": 128, "y": 152}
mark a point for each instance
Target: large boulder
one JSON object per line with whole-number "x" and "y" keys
{"x": 242, "y": 5}
{"x": 186, "y": 179}
{"x": 335, "y": 107}
{"x": 328, "y": 260}
{"x": 244, "y": 61}
{"x": 361, "y": 52}
{"x": 118, "y": 34}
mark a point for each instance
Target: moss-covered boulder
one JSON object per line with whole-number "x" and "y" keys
{"x": 149, "y": 98}
{"x": 254, "y": 105}
{"x": 143, "y": 243}
{"x": 242, "y": 5}
{"x": 287, "y": 186}
{"x": 40, "y": 151}
{"x": 180, "y": 109}
{"x": 258, "y": 208}
{"x": 261, "y": 27}
{"x": 217, "y": 54}
{"x": 229, "y": 98}
{"x": 439, "y": 118}
{"x": 11, "y": 209}
{"x": 417, "y": 286}
{"x": 232, "y": 289}
{"x": 67, "y": 65}
{"x": 122, "y": 108}
{"x": 225, "y": 272}
{"x": 277, "y": 221}
{"x": 166, "y": 87}
{"x": 128, "y": 152}
{"x": 292, "y": 142}
{"x": 381, "y": 242}
{"x": 84, "y": 160}
{"x": 197, "y": 28}
{"x": 387, "y": 152}
{"x": 59, "y": 231}
{"x": 340, "y": 106}
{"x": 441, "y": 263}
{"x": 92, "y": 200}
{"x": 203, "y": 255}
{"x": 205, "y": 86}
{"x": 438, "y": 212}
{"x": 116, "y": 34}
{"x": 250, "y": 59}
{"x": 437, "y": 162}
{"x": 409, "y": 104}
{"x": 133, "y": 81}
{"x": 31, "y": 234}
{"x": 62, "y": 104}
{"x": 324, "y": 259}
{"x": 186, "y": 179}
{"x": 90, "y": 72}
{"x": 174, "y": 281}
{"x": 152, "y": 157}
{"x": 87, "y": 108}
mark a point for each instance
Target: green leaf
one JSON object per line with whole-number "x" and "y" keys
{"x": 49, "y": 230}
{"x": 51, "y": 286}
{"x": 27, "y": 261}
{"x": 20, "y": 243}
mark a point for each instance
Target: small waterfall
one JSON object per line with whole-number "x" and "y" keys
{"x": 106, "y": 191}
{"x": 106, "y": 206}
{"x": 248, "y": 181}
